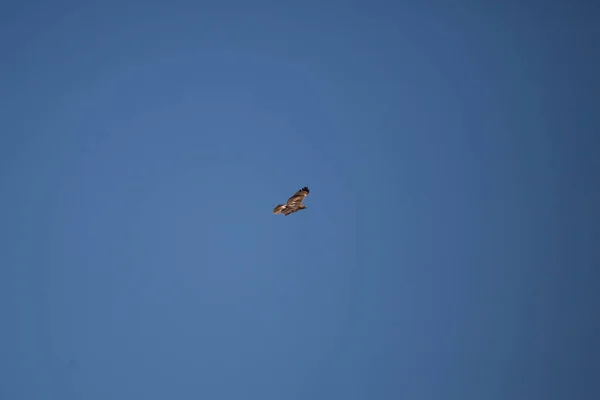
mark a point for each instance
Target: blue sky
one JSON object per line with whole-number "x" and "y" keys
{"x": 447, "y": 251}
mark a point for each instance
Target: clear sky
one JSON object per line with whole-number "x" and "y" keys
{"x": 447, "y": 251}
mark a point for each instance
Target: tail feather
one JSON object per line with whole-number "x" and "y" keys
{"x": 279, "y": 209}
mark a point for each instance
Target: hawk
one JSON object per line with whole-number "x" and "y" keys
{"x": 293, "y": 204}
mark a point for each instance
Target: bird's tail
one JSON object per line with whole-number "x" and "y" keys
{"x": 278, "y": 209}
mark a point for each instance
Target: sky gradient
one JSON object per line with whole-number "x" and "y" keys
{"x": 448, "y": 251}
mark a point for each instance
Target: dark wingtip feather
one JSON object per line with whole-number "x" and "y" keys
{"x": 305, "y": 188}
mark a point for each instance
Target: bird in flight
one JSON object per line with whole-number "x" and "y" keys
{"x": 293, "y": 204}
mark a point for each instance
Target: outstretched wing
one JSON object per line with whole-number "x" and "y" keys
{"x": 297, "y": 198}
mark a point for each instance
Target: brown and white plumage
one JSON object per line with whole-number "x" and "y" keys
{"x": 293, "y": 204}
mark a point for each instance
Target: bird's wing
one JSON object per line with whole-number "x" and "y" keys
{"x": 288, "y": 210}
{"x": 298, "y": 196}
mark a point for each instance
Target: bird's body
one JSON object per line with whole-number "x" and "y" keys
{"x": 293, "y": 204}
